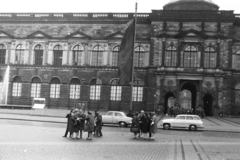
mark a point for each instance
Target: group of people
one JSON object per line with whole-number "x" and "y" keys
{"x": 143, "y": 124}
{"x": 78, "y": 122}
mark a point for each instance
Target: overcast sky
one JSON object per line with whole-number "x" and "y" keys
{"x": 97, "y": 5}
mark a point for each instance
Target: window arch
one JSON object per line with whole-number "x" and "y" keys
{"x": 19, "y": 55}
{"x": 17, "y": 86}
{"x": 137, "y": 93}
{"x": 75, "y": 87}
{"x": 210, "y": 57}
{"x": 116, "y": 90}
{"x": 190, "y": 56}
{"x": 139, "y": 57}
{"x": 38, "y": 52}
{"x": 97, "y": 56}
{"x": 55, "y": 88}
{"x": 115, "y": 54}
{"x": 171, "y": 56}
{"x": 95, "y": 89}
{"x": 2, "y": 53}
{"x": 57, "y": 53}
{"x": 78, "y": 55}
{"x": 36, "y": 87}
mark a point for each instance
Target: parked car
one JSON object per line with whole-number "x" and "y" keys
{"x": 116, "y": 117}
{"x": 192, "y": 122}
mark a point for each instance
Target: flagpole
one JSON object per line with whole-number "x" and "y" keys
{"x": 134, "y": 40}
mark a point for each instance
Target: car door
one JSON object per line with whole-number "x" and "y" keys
{"x": 117, "y": 117}
{"x": 179, "y": 122}
{"x": 108, "y": 118}
{"x": 189, "y": 120}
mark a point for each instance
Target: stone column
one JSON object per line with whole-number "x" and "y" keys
{"x": 9, "y": 47}
{"x": 163, "y": 51}
{"x": 30, "y": 56}
{"x": 161, "y": 89}
{"x": 46, "y": 54}
{"x": 217, "y": 86}
{"x": 202, "y": 56}
{"x": 218, "y": 53}
{"x": 177, "y": 94}
{"x": 200, "y": 92}
{"x": 179, "y": 54}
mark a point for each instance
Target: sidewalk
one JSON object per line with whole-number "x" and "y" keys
{"x": 226, "y": 124}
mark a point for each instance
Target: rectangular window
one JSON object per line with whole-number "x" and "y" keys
{"x": 57, "y": 57}
{"x": 2, "y": 56}
{"x": 171, "y": 59}
{"x": 115, "y": 58}
{"x": 75, "y": 91}
{"x": 137, "y": 94}
{"x": 19, "y": 57}
{"x": 38, "y": 57}
{"x": 17, "y": 89}
{"x": 116, "y": 92}
{"x": 35, "y": 90}
{"x": 55, "y": 91}
{"x": 78, "y": 58}
{"x": 95, "y": 92}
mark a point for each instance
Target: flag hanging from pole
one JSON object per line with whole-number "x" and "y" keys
{"x": 125, "y": 59}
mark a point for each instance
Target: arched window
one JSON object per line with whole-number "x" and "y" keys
{"x": 116, "y": 91}
{"x": 95, "y": 89}
{"x": 19, "y": 55}
{"x": 115, "y": 54}
{"x": 17, "y": 87}
{"x": 210, "y": 57}
{"x": 36, "y": 87}
{"x": 97, "y": 56}
{"x": 171, "y": 56}
{"x": 78, "y": 55}
{"x": 190, "y": 57}
{"x": 38, "y": 52}
{"x": 75, "y": 88}
{"x": 139, "y": 57}
{"x": 57, "y": 53}
{"x": 55, "y": 88}
{"x": 2, "y": 53}
{"x": 137, "y": 93}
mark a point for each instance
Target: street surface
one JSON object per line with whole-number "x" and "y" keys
{"x": 29, "y": 140}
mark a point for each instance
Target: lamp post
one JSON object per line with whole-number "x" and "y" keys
{"x": 82, "y": 84}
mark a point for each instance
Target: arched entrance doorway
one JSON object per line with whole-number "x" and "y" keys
{"x": 207, "y": 104}
{"x": 169, "y": 101}
{"x": 190, "y": 90}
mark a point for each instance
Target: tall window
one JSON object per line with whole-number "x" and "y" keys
{"x": 57, "y": 53}
{"x": 17, "y": 87}
{"x": 97, "y": 56}
{"x": 237, "y": 94}
{"x": 75, "y": 88}
{"x": 190, "y": 57}
{"x": 137, "y": 94}
{"x": 139, "y": 57}
{"x": 78, "y": 55}
{"x": 115, "y": 54}
{"x": 19, "y": 59}
{"x": 171, "y": 56}
{"x": 210, "y": 58}
{"x": 116, "y": 91}
{"x": 95, "y": 89}
{"x": 36, "y": 87}
{"x": 55, "y": 88}
{"x": 2, "y": 53}
{"x": 38, "y": 51}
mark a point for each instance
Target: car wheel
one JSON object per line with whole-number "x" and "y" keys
{"x": 122, "y": 124}
{"x": 192, "y": 128}
{"x": 166, "y": 126}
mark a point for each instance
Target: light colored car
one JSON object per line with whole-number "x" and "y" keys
{"x": 116, "y": 117}
{"x": 192, "y": 122}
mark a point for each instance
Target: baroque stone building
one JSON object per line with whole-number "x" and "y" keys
{"x": 187, "y": 53}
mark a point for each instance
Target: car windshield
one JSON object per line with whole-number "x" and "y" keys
{"x": 189, "y": 117}
{"x": 196, "y": 118}
{"x": 109, "y": 113}
{"x": 118, "y": 114}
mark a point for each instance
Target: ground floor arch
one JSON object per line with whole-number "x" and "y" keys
{"x": 169, "y": 101}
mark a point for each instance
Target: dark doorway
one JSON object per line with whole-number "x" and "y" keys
{"x": 167, "y": 96}
{"x": 207, "y": 104}
{"x": 193, "y": 89}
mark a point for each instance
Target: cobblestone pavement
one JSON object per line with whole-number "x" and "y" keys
{"x": 26, "y": 140}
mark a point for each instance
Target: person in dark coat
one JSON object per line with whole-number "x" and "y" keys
{"x": 68, "y": 116}
{"x": 153, "y": 125}
{"x": 149, "y": 121}
{"x": 98, "y": 125}
{"x": 89, "y": 125}
{"x": 73, "y": 127}
{"x": 135, "y": 124}
{"x": 145, "y": 125}
{"x": 141, "y": 122}
{"x": 81, "y": 122}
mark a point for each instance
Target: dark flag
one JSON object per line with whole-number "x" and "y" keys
{"x": 125, "y": 59}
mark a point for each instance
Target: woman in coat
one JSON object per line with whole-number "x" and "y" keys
{"x": 74, "y": 127}
{"x": 68, "y": 116}
{"x": 153, "y": 127}
{"x": 145, "y": 125}
{"x": 89, "y": 126}
{"x": 81, "y": 122}
{"x": 135, "y": 124}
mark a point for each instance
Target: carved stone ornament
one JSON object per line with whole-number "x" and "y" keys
{"x": 169, "y": 87}
{"x": 208, "y": 84}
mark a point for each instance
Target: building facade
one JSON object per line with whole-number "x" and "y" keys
{"x": 186, "y": 53}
